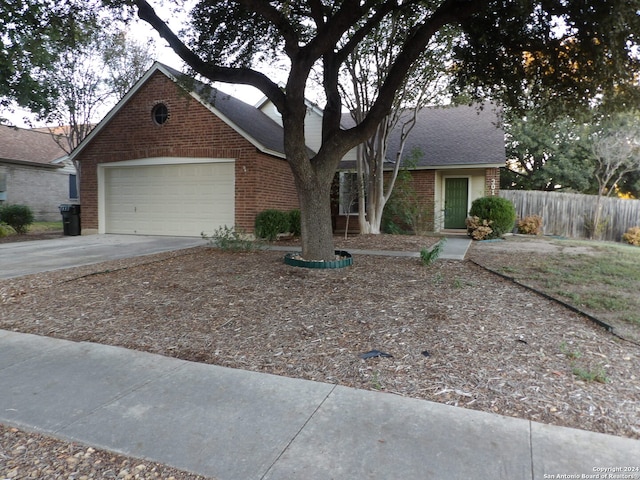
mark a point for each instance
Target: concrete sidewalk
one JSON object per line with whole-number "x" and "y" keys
{"x": 239, "y": 425}
{"x": 455, "y": 248}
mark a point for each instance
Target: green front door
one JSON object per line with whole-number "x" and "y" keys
{"x": 456, "y": 198}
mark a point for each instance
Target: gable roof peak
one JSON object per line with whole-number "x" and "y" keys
{"x": 256, "y": 127}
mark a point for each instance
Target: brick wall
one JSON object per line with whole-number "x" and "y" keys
{"x": 40, "y": 188}
{"x": 424, "y": 184}
{"x": 192, "y": 130}
{"x": 492, "y": 182}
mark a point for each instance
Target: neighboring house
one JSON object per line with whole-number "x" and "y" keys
{"x": 454, "y": 155}
{"x": 177, "y": 157}
{"x": 35, "y": 171}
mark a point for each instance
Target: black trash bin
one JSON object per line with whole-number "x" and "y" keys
{"x": 70, "y": 219}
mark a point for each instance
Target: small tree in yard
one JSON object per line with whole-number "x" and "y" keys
{"x": 407, "y": 210}
{"x": 349, "y": 194}
{"x": 616, "y": 150}
{"x": 90, "y": 79}
{"x": 365, "y": 70}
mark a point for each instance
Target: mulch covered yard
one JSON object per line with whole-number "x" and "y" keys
{"x": 457, "y": 333}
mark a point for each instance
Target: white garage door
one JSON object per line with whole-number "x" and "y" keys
{"x": 182, "y": 200}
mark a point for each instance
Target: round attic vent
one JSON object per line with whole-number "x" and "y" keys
{"x": 160, "y": 114}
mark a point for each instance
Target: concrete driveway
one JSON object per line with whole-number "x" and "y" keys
{"x": 24, "y": 258}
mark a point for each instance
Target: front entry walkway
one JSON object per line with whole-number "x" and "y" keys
{"x": 455, "y": 248}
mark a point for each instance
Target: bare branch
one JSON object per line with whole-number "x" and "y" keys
{"x": 450, "y": 12}
{"x": 245, "y": 76}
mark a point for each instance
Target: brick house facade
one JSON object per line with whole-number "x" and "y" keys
{"x": 192, "y": 130}
{"x": 222, "y": 146}
{"x": 455, "y": 155}
{"x": 35, "y": 171}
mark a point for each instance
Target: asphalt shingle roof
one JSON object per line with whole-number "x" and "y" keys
{"x": 253, "y": 122}
{"x": 28, "y": 146}
{"x": 447, "y": 137}
{"x": 452, "y": 136}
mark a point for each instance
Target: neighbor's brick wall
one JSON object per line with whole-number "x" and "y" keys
{"x": 42, "y": 189}
{"x": 492, "y": 174}
{"x": 192, "y": 130}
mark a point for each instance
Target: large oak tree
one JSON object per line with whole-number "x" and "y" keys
{"x": 33, "y": 34}
{"x": 506, "y": 47}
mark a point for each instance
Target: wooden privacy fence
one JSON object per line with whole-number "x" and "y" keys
{"x": 571, "y": 214}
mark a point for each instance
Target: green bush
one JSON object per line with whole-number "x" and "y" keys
{"x": 270, "y": 223}
{"x": 4, "y": 231}
{"x": 430, "y": 256}
{"x": 18, "y": 217}
{"x": 498, "y": 212}
{"x": 227, "y": 238}
{"x": 295, "y": 222}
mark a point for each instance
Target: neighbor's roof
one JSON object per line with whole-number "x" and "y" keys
{"x": 254, "y": 125}
{"x": 27, "y": 146}
{"x": 449, "y": 137}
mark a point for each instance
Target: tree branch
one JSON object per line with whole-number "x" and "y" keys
{"x": 317, "y": 12}
{"x": 278, "y": 20}
{"x": 330, "y": 32}
{"x": 244, "y": 76}
{"x": 449, "y": 12}
{"x": 361, "y": 33}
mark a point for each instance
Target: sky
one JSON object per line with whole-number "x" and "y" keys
{"x": 142, "y": 31}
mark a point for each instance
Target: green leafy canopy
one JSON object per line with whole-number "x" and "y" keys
{"x": 32, "y": 35}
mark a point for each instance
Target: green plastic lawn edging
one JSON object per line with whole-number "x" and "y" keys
{"x": 345, "y": 259}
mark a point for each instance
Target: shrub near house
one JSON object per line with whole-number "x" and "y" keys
{"x": 632, "y": 237}
{"x": 271, "y": 223}
{"x": 18, "y": 217}
{"x": 491, "y": 213}
{"x": 530, "y": 225}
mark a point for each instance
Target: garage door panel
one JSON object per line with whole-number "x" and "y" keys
{"x": 184, "y": 199}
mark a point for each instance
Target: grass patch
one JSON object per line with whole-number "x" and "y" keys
{"x": 35, "y": 228}
{"x": 569, "y": 353}
{"x": 600, "y": 278}
{"x": 42, "y": 227}
{"x": 634, "y": 318}
{"x": 591, "y": 375}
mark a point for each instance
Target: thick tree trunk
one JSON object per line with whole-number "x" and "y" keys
{"x": 313, "y": 176}
{"x": 315, "y": 213}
